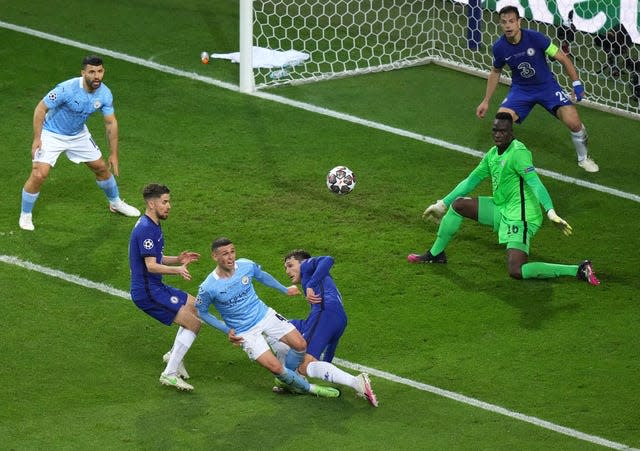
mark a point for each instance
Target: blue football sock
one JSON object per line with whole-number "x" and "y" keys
{"x": 294, "y": 359}
{"x": 110, "y": 188}
{"x": 293, "y": 379}
{"x": 28, "y": 201}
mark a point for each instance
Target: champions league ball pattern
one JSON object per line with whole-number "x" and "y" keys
{"x": 341, "y": 180}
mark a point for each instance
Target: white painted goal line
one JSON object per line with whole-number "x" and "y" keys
{"x": 354, "y": 366}
{"x": 305, "y": 106}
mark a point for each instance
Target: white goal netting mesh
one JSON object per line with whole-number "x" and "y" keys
{"x": 349, "y": 37}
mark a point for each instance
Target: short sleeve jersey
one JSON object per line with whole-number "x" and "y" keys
{"x": 235, "y": 298}
{"x": 70, "y": 105}
{"x": 508, "y": 172}
{"x": 146, "y": 241}
{"x": 526, "y": 59}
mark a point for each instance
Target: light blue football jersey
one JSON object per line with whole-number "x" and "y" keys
{"x": 70, "y": 105}
{"x": 235, "y": 298}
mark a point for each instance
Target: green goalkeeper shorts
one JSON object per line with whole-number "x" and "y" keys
{"x": 515, "y": 234}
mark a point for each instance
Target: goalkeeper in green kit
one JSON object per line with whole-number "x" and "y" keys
{"x": 513, "y": 211}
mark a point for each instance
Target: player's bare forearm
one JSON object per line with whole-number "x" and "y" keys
{"x": 38, "y": 119}
{"x": 492, "y": 83}
{"x": 111, "y": 129}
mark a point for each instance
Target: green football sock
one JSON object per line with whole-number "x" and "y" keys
{"x": 448, "y": 228}
{"x": 540, "y": 270}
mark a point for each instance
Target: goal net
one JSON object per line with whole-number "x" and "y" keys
{"x": 351, "y": 37}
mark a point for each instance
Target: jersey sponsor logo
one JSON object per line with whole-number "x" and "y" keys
{"x": 174, "y": 299}
{"x": 52, "y": 96}
{"x": 147, "y": 244}
{"x": 97, "y": 104}
{"x": 245, "y": 280}
{"x": 529, "y": 169}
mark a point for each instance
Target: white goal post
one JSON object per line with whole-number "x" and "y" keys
{"x": 351, "y": 37}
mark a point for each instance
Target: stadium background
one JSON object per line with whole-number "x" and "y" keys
{"x": 80, "y": 366}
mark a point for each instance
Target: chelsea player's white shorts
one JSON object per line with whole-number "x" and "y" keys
{"x": 79, "y": 148}
{"x": 273, "y": 325}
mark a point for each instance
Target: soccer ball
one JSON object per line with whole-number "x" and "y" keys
{"x": 341, "y": 180}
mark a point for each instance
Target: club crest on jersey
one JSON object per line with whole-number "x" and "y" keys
{"x": 52, "y": 96}
{"x": 174, "y": 299}
{"x": 531, "y": 52}
{"x": 245, "y": 280}
{"x": 97, "y": 104}
{"x": 147, "y": 244}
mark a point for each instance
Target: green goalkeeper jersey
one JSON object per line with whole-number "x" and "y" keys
{"x": 509, "y": 172}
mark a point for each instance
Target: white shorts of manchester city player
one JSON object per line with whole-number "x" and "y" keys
{"x": 273, "y": 325}
{"x": 79, "y": 148}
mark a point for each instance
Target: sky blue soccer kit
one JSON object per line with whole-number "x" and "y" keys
{"x": 235, "y": 298}
{"x": 70, "y": 105}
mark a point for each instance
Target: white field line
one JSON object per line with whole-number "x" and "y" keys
{"x": 354, "y": 366}
{"x": 354, "y": 119}
{"x": 305, "y": 106}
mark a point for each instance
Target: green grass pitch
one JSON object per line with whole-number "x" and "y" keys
{"x": 80, "y": 366}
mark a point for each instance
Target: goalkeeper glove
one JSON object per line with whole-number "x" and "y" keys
{"x": 435, "y": 212}
{"x": 578, "y": 90}
{"x": 564, "y": 226}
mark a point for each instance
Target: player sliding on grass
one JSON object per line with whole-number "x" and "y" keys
{"x": 247, "y": 319}
{"x": 513, "y": 210}
{"x": 325, "y": 324}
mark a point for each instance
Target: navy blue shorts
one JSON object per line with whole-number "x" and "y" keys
{"x": 160, "y": 302}
{"x": 522, "y": 99}
{"x": 322, "y": 332}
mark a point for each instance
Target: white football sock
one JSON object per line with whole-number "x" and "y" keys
{"x": 331, "y": 373}
{"x": 580, "y": 141}
{"x": 184, "y": 340}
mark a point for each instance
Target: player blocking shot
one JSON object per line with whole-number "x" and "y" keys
{"x": 324, "y": 326}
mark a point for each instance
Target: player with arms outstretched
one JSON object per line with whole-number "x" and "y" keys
{"x": 513, "y": 211}
{"x": 532, "y": 82}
